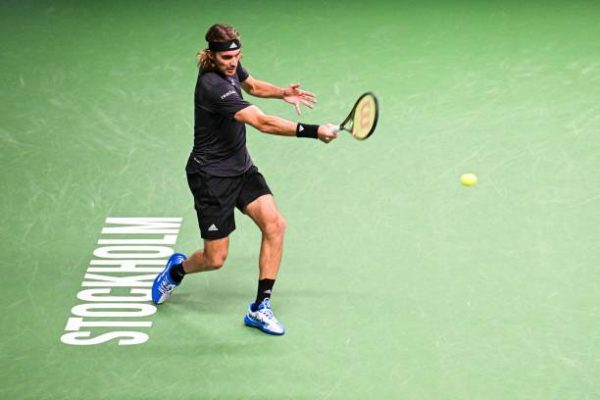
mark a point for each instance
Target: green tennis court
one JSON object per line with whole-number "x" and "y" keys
{"x": 397, "y": 281}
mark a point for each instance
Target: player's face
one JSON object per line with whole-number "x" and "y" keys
{"x": 227, "y": 61}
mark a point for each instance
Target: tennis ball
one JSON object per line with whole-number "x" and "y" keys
{"x": 468, "y": 179}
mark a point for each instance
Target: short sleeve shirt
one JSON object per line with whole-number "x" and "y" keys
{"x": 219, "y": 140}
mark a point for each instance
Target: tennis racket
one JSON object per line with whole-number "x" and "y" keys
{"x": 362, "y": 120}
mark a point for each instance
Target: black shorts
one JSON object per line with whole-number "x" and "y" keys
{"x": 216, "y": 197}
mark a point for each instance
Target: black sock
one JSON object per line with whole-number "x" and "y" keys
{"x": 177, "y": 273}
{"x": 265, "y": 286}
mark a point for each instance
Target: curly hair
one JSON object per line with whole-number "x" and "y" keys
{"x": 216, "y": 33}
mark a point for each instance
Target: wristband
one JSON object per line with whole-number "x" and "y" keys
{"x": 307, "y": 131}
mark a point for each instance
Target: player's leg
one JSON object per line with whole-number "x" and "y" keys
{"x": 265, "y": 214}
{"x": 214, "y": 200}
{"x": 256, "y": 200}
{"x": 210, "y": 258}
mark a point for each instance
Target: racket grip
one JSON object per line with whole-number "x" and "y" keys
{"x": 338, "y": 128}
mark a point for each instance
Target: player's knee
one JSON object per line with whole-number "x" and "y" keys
{"x": 276, "y": 226}
{"x": 217, "y": 260}
{"x": 282, "y": 225}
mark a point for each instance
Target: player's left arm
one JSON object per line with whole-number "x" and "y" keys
{"x": 272, "y": 124}
{"x": 291, "y": 94}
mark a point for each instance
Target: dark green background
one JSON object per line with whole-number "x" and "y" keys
{"x": 397, "y": 282}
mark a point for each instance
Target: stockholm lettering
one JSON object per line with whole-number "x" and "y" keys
{"x": 118, "y": 282}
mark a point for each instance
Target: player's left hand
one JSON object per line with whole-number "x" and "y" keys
{"x": 296, "y": 96}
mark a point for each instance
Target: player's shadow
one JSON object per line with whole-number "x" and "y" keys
{"x": 213, "y": 296}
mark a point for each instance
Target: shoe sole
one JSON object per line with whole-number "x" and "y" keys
{"x": 250, "y": 323}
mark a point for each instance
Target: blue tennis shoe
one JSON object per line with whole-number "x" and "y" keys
{"x": 163, "y": 285}
{"x": 264, "y": 319}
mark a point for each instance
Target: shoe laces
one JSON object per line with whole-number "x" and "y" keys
{"x": 165, "y": 286}
{"x": 265, "y": 308}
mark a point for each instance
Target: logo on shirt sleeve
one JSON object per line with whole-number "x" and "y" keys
{"x": 229, "y": 93}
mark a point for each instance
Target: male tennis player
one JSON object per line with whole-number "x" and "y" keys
{"x": 222, "y": 176}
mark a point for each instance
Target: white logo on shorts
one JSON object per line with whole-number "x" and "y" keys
{"x": 213, "y": 228}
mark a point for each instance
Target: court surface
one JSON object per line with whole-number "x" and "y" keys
{"x": 397, "y": 282}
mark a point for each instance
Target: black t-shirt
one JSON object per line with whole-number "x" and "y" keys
{"x": 219, "y": 140}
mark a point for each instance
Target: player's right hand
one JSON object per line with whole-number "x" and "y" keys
{"x": 328, "y": 132}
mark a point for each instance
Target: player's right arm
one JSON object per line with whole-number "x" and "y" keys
{"x": 272, "y": 124}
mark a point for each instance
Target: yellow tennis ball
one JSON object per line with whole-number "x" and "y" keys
{"x": 468, "y": 179}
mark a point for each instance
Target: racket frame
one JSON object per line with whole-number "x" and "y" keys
{"x": 350, "y": 116}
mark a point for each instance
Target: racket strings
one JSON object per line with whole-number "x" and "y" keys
{"x": 365, "y": 117}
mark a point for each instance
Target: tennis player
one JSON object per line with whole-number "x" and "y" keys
{"x": 222, "y": 176}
